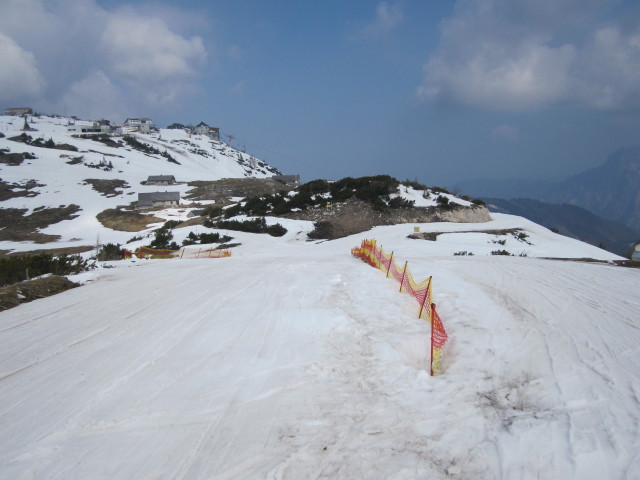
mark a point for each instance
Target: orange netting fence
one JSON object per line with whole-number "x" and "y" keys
{"x": 146, "y": 252}
{"x": 375, "y": 256}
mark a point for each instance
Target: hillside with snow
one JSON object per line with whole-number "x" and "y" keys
{"x": 52, "y": 177}
{"x": 292, "y": 359}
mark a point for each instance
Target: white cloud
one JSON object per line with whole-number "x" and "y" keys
{"x": 388, "y": 16}
{"x": 507, "y": 132}
{"x": 608, "y": 74}
{"x": 145, "y": 49}
{"x": 522, "y": 55}
{"x": 56, "y": 47}
{"x": 96, "y": 96}
{"x": 19, "y": 75}
{"x": 494, "y": 78}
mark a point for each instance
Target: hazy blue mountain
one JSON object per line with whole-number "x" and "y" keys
{"x": 611, "y": 190}
{"x": 571, "y": 221}
{"x": 505, "y": 188}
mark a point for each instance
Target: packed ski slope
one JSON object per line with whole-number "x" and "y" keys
{"x": 294, "y": 360}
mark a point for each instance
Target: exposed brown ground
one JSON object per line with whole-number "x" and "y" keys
{"x": 126, "y": 220}
{"x": 108, "y": 188}
{"x": 29, "y": 290}
{"x": 356, "y": 216}
{"x": 18, "y": 227}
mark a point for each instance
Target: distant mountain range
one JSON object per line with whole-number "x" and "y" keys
{"x": 571, "y": 221}
{"x": 611, "y": 190}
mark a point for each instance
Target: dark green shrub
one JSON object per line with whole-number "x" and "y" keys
{"x": 522, "y": 237}
{"x": 257, "y": 225}
{"x": 442, "y": 200}
{"x": 170, "y": 224}
{"x": 321, "y": 230}
{"x": 143, "y": 147}
{"x": 168, "y": 156}
{"x": 212, "y": 211}
{"x": 399, "y": 202}
{"x": 213, "y": 238}
{"x": 163, "y": 239}
{"x": 415, "y": 184}
{"x": 110, "y": 251}
{"x": 204, "y": 238}
{"x": 191, "y": 239}
{"x": 23, "y": 267}
{"x": 232, "y": 211}
{"x": 276, "y": 230}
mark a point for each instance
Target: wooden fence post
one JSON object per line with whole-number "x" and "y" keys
{"x": 403, "y": 274}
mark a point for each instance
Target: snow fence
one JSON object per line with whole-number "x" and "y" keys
{"x": 375, "y": 256}
{"x": 145, "y": 252}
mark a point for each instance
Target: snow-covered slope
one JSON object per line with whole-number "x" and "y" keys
{"x": 61, "y": 174}
{"x": 291, "y": 359}
{"x": 295, "y": 360}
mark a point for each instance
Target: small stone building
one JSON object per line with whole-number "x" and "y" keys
{"x": 287, "y": 179}
{"x": 160, "y": 180}
{"x": 142, "y": 125}
{"x": 18, "y": 111}
{"x": 158, "y": 199}
{"x": 204, "y": 129}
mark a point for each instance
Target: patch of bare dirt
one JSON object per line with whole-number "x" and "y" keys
{"x": 108, "y": 188}
{"x": 126, "y": 220}
{"x": 12, "y": 190}
{"x": 15, "y": 159}
{"x": 15, "y": 226}
{"x": 29, "y": 290}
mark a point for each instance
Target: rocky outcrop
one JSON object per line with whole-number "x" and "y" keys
{"x": 355, "y": 216}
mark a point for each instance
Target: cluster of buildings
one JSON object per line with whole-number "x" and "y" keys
{"x": 130, "y": 125}
{"x": 144, "y": 125}
{"x": 137, "y": 125}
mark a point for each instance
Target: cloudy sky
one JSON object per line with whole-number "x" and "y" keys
{"x": 435, "y": 90}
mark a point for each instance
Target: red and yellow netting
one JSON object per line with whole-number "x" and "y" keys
{"x": 146, "y": 252}
{"x": 204, "y": 253}
{"x": 375, "y": 256}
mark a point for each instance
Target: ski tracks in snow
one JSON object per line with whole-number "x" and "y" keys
{"x": 312, "y": 366}
{"x": 573, "y": 347}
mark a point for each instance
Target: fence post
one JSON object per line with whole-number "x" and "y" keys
{"x": 372, "y": 257}
{"x": 403, "y": 273}
{"x": 389, "y": 267}
{"x": 426, "y": 294}
{"x": 433, "y": 309}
